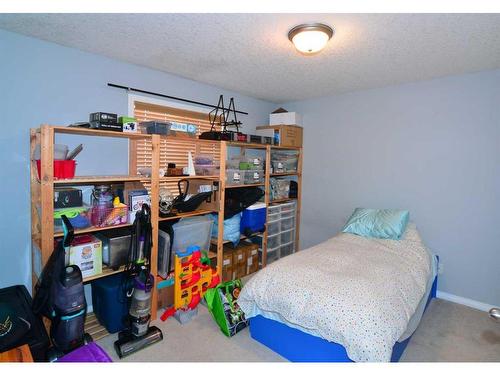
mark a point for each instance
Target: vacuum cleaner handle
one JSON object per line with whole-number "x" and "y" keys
{"x": 69, "y": 233}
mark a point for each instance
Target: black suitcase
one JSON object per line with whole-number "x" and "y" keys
{"x": 19, "y": 302}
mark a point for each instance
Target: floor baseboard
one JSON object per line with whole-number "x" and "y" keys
{"x": 464, "y": 301}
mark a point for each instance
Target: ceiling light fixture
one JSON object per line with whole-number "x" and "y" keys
{"x": 310, "y": 38}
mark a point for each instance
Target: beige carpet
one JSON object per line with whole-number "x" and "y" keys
{"x": 448, "y": 332}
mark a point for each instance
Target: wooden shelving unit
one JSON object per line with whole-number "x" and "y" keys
{"x": 145, "y": 150}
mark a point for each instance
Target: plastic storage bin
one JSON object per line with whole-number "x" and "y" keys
{"x": 274, "y": 209}
{"x": 79, "y": 217}
{"x": 156, "y": 127}
{"x": 287, "y": 208}
{"x": 63, "y": 169}
{"x": 192, "y": 231}
{"x": 287, "y": 237}
{"x": 273, "y": 217}
{"x": 253, "y": 218}
{"x": 165, "y": 258}
{"x": 234, "y": 177}
{"x": 273, "y": 241}
{"x": 284, "y": 161}
{"x": 253, "y": 176}
{"x": 109, "y": 302}
{"x": 273, "y": 227}
{"x": 206, "y": 170}
{"x": 288, "y": 223}
{"x": 286, "y": 249}
{"x": 272, "y": 255}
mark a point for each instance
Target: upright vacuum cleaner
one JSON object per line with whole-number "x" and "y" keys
{"x": 138, "y": 286}
{"x": 59, "y": 296}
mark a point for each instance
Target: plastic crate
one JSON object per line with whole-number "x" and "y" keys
{"x": 273, "y": 217}
{"x": 79, "y": 217}
{"x": 272, "y": 255}
{"x": 288, "y": 223}
{"x": 286, "y": 237}
{"x": 253, "y": 176}
{"x": 273, "y": 227}
{"x": 274, "y": 209}
{"x": 206, "y": 170}
{"x": 287, "y": 249}
{"x": 287, "y": 207}
{"x": 192, "y": 231}
{"x": 234, "y": 177}
{"x": 273, "y": 241}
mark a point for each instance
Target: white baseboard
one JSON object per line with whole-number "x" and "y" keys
{"x": 464, "y": 301}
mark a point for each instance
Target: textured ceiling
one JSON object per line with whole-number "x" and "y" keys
{"x": 250, "y": 53}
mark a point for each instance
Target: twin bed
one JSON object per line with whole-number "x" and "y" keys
{"x": 350, "y": 298}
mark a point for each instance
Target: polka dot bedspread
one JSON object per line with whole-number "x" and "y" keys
{"x": 355, "y": 291}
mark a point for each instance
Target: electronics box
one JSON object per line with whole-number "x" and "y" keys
{"x": 129, "y": 124}
{"x": 285, "y": 118}
{"x": 105, "y": 121}
{"x": 115, "y": 247}
{"x": 67, "y": 197}
{"x": 285, "y": 135}
{"x": 86, "y": 252}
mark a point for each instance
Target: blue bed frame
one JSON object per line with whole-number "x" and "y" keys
{"x": 298, "y": 346}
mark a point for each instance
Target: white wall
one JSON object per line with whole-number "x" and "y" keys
{"x": 42, "y": 82}
{"x": 430, "y": 147}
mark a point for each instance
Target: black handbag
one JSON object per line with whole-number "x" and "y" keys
{"x": 182, "y": 205}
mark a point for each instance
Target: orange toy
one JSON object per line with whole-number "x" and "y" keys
{"x": 193, "y": 277}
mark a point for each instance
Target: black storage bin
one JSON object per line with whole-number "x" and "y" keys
{"x": 19, "y": 300}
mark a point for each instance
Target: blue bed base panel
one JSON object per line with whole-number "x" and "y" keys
{"x": 298, "y": 346}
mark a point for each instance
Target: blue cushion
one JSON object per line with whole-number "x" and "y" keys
{"x": 369, "y": 222}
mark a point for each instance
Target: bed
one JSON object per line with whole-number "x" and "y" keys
{"x": 350, "y": 298}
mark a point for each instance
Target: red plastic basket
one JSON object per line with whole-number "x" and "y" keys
{"x": 63, "y": 169}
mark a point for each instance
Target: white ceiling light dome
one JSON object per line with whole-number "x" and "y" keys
{"x": 310, "y": 38}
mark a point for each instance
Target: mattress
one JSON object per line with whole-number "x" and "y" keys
{"x": 362, "y": 293}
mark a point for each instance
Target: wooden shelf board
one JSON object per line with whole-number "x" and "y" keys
{"x": 213, "y": 240}
{"x": 298, "y": 148}
{"x": 93, "y": 229}
{"x": 246, "y": 145}
{"x": 242, "y": 186}
{"x": 282, "y": 200}
{"x": 176, "y": 178}
{"x": 95, "y": 179}
{"x": 186, "y": 214}
{"x": 284, "y": 174}
{"x": 105, "y": 272}
{"x": 97, "y": 132}
{"x": 94, "y": 328}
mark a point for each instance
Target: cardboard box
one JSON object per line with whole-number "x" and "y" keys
{"x": 239, "y": 256}
{"x": 86, "y": 252}
{"x": 287, "y": 135}
{"x": 227, "y": 266}
{"x": 166, "y": 297}
{"x": 252, "y": 255}
{"x": 239, "y": 271}
{"x": 285, "y": 118}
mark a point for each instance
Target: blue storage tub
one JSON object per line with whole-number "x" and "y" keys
{"x": 109, "y": 302}
{"x": 253, "y": 219}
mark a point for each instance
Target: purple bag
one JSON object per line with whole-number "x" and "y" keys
{"x": 87, "y": 353}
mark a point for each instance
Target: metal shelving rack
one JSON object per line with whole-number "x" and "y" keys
{"x": 144, "y": 150}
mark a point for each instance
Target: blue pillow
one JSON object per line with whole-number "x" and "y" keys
{"x": 369, "y": 222}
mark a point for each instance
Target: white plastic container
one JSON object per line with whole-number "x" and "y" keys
{"x": 273, "y": 227}
{"x": 286, "y": 237}
{"x": 274, "y": 209}
{"x": 288, "y": 223}
{"x": 273, "y": 241}
{"x": 286, "y": 249}
{"x": 234, "y": 177}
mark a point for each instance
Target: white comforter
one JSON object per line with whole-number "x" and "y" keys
{"x": 355, "y": 291}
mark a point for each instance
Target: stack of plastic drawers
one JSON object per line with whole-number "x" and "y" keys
{"x": 280, "y": 230}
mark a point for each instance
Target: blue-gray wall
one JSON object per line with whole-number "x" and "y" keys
{"x": 43, "y": 82}
{"x": 431, "y": 147}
